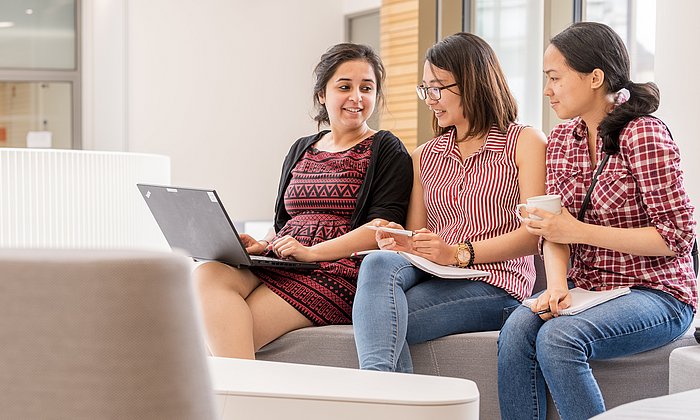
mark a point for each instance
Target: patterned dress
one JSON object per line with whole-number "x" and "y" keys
{"x": 321, "y": 198}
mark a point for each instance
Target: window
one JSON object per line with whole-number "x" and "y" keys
{"x": 507, "y": 26}
{"x": 511, "y": 28}
{"x": 635, "y": 22}
{"x": 35, "y": 114}
{"x": 39, "y": 74}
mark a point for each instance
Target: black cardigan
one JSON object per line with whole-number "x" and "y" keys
{"x": 385, "y": 191}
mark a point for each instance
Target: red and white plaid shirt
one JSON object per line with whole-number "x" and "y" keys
{"x": 640, "y": 186}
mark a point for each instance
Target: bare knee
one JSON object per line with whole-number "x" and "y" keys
{"x": 209, "y": 275}
{"x": 217, "y": 277}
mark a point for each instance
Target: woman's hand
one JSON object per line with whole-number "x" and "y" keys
{"x": 431, "y": 246}
{"x": 551, "y": 301}
{"x": 288, "y": 247}
{"x": 392, "y": 242}
{"x": 561, "y": 228}
{"x": 251, "y": 245}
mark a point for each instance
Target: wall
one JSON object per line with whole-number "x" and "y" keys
{"x": 104, "y": 65}
{"x": 221, "y": 87}
{"x": 403, "y": 62}
{"x": 358, "y": 6}
{"x": 675, "y": 68}
{"x": 78, "y": 199}
{"x": 171, "y": 77}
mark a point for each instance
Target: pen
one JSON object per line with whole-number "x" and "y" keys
{"x": 543, "y": 311}
{"x": 391, "y": 230}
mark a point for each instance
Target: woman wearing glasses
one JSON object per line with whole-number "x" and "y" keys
{"x": 467, "y": 183}
{"x": 332, "y": 183}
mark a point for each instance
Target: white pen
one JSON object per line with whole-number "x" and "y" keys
{"x": 391, "y": 230}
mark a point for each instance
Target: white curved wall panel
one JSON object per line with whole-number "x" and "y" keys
{"x": 78, "y": 199}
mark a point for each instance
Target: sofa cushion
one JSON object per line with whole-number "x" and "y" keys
{"x": 474, "y": 356}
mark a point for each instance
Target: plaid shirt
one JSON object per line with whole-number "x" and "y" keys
{"x": 640, "y": 186}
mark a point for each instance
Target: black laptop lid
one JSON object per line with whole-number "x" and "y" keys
{"x": 195, "y": 221}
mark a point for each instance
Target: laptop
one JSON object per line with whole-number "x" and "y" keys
{"x": 194, "y": 220}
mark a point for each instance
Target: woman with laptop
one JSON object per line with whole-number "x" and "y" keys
{"x": 332, "y": 184}
{"x": 636, "y": 231}
{"x": 468, "y": 181}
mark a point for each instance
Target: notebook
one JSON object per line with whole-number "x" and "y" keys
{"x": 582, "y": 299}
{"x": 195, "y": 221}
{"x": 442, "y": 271}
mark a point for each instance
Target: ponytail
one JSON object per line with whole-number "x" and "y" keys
{"x": 643, "y": 100}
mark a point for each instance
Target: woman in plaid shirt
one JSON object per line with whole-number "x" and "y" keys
{"x": 637, "y": 232}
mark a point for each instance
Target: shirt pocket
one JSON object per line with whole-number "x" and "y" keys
{"x": 613, "y": 191}
{"x": 565, "y": 182}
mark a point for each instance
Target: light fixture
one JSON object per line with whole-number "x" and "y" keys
{"x": 29, "y": 11}
{"x": 6, "y": 24}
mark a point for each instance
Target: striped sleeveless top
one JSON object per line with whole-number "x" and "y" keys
{"x": 476, "y": 200}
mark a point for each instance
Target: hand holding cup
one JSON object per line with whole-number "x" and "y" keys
{"x": 549, "y": 203}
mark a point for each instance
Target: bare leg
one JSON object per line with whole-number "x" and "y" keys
{"x": 240, "y": 313}
{"x": 272, "y": 316}
{"x": 228, "y": 322}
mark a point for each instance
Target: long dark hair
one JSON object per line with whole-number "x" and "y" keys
{"x": 587, "y": 46}
{"x": 485, "y": 96}
{"x": 329, "y": 63}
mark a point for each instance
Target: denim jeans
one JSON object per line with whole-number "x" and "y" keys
{"x": 534, "y": 354}
{"x": 397, "y": 304}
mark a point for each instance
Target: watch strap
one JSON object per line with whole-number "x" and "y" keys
{"x": 465, "y": 246}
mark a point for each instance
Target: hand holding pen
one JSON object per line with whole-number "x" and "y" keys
{"x": 550, "y": 302}
{"x": 392, "y": 236}
{"x": 431, "y": 246}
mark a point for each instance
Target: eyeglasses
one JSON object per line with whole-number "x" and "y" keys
{"x": 432, "y": 92}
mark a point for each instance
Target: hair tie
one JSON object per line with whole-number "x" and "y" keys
{"x": 622, "y": 96}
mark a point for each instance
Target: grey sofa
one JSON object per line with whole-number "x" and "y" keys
{"x": 473, "y": 356}
{"x": 100, "y": 334}
{"x": 682, "y": 403}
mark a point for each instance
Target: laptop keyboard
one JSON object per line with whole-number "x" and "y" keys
{"x": 263, "y": 258}
{"x": 282, "y": 263}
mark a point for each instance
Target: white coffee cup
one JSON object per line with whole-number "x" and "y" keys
{"x": 550, "y": 203}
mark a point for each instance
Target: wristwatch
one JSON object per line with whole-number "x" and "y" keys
{"x": 463, "y": 255}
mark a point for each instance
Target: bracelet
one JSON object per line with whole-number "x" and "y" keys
{"x": 469, "y": 245}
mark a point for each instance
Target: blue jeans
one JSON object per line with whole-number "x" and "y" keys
{"x": 397, "y": 304}
{"x": 533, "y": 354}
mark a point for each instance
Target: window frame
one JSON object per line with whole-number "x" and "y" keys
{"x": 72, "y": 76}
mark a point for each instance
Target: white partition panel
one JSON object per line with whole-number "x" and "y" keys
{"x": 78, "y": 199}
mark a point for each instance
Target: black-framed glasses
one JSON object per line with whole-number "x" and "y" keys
{"x": 432, "y": 92}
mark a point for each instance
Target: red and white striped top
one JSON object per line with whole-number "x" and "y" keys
{"x": 476, "y": 200}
